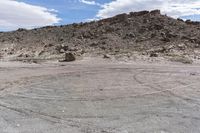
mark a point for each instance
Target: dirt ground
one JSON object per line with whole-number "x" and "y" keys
{"x": 95, "y": 96}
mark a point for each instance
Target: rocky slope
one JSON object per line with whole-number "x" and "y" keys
{"x": 145, "y": 33}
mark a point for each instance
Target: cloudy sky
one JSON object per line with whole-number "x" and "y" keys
{"x": 16, "y": 14}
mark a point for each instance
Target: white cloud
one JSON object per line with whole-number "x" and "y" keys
{"x": 15, "y": 14}
{"x": 91, "y": 2}
{"x": 174, "y": 8}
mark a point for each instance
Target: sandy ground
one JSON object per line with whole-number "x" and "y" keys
{"x": 93, "y": 96}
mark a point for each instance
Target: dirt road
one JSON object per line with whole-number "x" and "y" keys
{"x": 99, "y": 97}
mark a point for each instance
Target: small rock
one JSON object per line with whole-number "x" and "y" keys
{"x": 170, "y": 47}
{"x": 10, "y": 53}
{"x": 64, "y": 47}
{"x": 18, "y": 125}
{"x": 154, "y": 55}
{"x": 35, "y": 61}
{"x": 41, "y": 52}
{"x": 62, "y": 51}
{"x": 129, "y": 35}
{"x": 192, "y": 74}
{"x": 20, "y": 55}
{"x": 165, "y": 39}
{"x": 181, "y": 46}
{"x": 26, "y": 55}
{"x": 48, "y": 45}
{"x": 106, "y": 56}
{"x": 73, "y": 49}
{"x": 196, "y": 45}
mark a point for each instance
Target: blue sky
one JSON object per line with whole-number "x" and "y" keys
{"x": 29, "y": 14}
{"x": 70, "y": 11}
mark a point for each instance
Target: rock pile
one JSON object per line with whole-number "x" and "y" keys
{"x": 140, "y": 32}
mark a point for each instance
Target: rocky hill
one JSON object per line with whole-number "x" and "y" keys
{"x": 147, "y": 33}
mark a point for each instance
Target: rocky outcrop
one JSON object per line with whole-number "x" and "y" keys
{"x": 134, "y": 32}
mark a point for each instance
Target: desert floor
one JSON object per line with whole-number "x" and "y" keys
{"x": 96, "y": 96}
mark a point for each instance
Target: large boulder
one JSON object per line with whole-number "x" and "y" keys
{"x": 68, "y": 57}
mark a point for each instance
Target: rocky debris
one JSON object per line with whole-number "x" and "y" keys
{"x": 68, "y": 57}
{"x": 41, "y": 52}
{"x": 138, "y": 13}
{"x": 181, "y": 59}
{"x": 144, "y": 32}
{"x": 155, "y": 12}
{"x": 158, "y": 50}
{"x": 192, "y": 22}
{"x": 93, "y": 44}
{"x": 62, "y": 48}
{"x": 179, "y": 19}
{"x": 24, "y": 55}
{"x": 21, "y": 30}
{"x": 48, "y": 45}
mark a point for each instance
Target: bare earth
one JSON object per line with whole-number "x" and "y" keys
{"x": 95, "y": 96}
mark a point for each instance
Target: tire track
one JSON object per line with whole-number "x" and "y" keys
{"x": 59, "y": 120}
{"x": 188, "y": 100}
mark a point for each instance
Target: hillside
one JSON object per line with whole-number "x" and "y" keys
{"x": 146, "y": 33}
